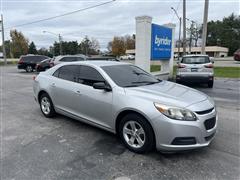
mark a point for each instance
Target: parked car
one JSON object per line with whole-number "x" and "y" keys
{"x": 121, "y": 98}
{"x": 195, "y": 68}
{"x": 28, "y": 62}
{"x": 67, "y": 58}
{"x": 127, "y": 57}
{"x": 43, "y": 65}
{"x": 236, "y": 55}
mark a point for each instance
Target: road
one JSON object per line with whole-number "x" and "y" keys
{"x": 34, "y": 147}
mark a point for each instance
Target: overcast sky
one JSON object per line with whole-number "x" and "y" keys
{"x": 102, "y": 23}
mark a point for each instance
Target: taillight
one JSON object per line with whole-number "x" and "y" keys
{"x": 20, "y": 61}
{"x": 208, "y": 66}
{"x": 181, "y": 66}
{"x": 51, "y": 64}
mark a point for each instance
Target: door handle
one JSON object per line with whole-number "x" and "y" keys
{"x": 78, "y": 92}
{"x": 53, "y": 85}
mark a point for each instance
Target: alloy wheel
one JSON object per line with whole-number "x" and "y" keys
{"x": 29, "y": 69}
{"x": 134, "y": 134}
{"x": 45, "y": 105}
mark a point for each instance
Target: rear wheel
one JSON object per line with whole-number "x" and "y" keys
{"x": 136, "y": 133}
{"x": 46, "y": 106}
{"x": 29, "y": 69}
{"x": 210, "y": 84}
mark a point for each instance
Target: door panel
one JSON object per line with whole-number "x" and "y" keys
{"x": 63, "y": 94}
{"x": 94, "y": 105}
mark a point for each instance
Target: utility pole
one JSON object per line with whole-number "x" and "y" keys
{"x": 59, "y": 39}
{"x": 3, "y": 42}
{"x": 204, "y": 32}
{"x": 60, "y": 44}
{"x": 180, "y": 28}
{"x": 191, "y": 32}
{"x": 184, "y": 27}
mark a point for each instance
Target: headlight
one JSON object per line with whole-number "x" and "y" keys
{"x": 176, "y": 113}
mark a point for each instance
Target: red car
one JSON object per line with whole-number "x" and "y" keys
{"x": 236, "y": 55}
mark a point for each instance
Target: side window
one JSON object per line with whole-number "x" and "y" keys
{"x": 69, "y": 72}
{"x": 67, "y": 59}
{"x": 56, "y": 73}
{"x": 63, "y": 59}
{"x": 89, "y": 75}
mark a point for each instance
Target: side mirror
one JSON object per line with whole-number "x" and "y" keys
{"x": 102, "y": 85}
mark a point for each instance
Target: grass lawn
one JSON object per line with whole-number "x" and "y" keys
{"x": 155, "y": 68}
{"x": 225, "y": 72}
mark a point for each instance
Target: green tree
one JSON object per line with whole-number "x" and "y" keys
{"x": 225, "y": 33}
{"x": 89, "y": 47}
{"x": 32, "y": 48}
{"x": 19, "y": 44}
{"x": 45, "y": 52}
{"x": 7, "y": 48}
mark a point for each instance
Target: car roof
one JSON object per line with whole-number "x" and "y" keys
{"x": 98, "y": 63}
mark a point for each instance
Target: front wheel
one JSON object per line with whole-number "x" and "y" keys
{"x": 46, "y": 106}
{"x": 136, "y": 133}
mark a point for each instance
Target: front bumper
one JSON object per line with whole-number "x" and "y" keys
{"x": 192, "y": 133}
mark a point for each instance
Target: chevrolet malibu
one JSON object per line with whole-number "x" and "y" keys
{"x": 143, "y": 111}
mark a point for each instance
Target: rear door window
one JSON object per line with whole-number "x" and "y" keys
{"x": 68, "y": 72}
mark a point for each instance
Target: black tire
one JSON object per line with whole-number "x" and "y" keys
{"x": 52, "y": 112}
{"x": 149, "y": 142}
{"x": 29, "y": 68}
{"x": 210, "y": 84}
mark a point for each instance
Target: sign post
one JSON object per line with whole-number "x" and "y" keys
{"x": 154, "y": 45}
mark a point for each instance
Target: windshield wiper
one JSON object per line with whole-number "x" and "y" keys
{"x": 130, "y": 86}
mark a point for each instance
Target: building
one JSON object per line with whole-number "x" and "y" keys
{"x": 212, "y": 51}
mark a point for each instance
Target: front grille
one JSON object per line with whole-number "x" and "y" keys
{"x": 210, "y": 123}
{"x": 205, "y": 111}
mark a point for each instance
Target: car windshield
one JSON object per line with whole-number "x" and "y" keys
{"x": 129, "y": 75}
{"x": 195, "y": 60}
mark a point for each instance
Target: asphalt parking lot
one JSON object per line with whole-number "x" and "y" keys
{"x": 34, "y": 147}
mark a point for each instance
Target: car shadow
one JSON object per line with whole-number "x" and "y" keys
{"x": 108, "y": 143}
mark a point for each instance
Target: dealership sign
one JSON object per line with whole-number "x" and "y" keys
{"x": 161, "y": 42}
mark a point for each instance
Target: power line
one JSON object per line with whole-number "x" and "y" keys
{"x": 61, "y": 15}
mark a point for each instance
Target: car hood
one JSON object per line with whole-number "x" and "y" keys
{"x": 168, "y": 93}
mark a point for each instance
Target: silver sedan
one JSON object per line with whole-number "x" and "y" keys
{"x": 121, "y": 98}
